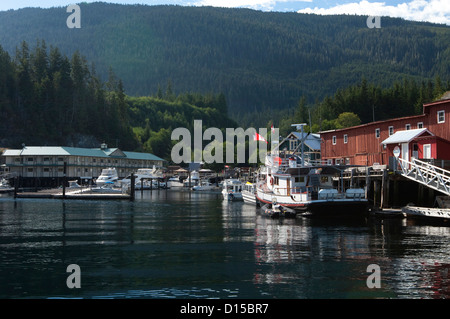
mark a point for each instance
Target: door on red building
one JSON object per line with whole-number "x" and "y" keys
{"x": 427, "y": 151}
{"x": 405, "y": 151}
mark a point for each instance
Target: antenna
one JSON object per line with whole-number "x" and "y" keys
{"x": 300, "y": 126}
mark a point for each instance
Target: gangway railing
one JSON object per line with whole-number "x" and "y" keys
{"x": 427, "y": 174}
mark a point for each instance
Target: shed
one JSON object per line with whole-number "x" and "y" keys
{"x": 411, "y": 143}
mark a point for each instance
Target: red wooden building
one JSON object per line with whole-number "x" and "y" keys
{"x": 363, "y": 144}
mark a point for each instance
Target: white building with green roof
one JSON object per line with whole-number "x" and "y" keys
{"x": 84, "y": 163}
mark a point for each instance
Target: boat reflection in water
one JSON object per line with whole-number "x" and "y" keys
{"x": 185, "y": 244}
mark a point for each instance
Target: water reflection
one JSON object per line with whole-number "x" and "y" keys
{"x": 172, "y": 244}
{"x": 329, "y": 259}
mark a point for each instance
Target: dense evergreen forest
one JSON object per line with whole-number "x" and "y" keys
{"x": 262, "y": 62}
{"x": 47, "y": 98}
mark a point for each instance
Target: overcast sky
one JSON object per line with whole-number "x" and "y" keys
{"x": 418, "y": 10}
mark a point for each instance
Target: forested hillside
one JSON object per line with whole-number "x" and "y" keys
{"x": 48, "y": 98}
{"x": 263, "y": 62}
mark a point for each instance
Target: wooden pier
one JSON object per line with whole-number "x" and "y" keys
{"x": 388, "y": 189}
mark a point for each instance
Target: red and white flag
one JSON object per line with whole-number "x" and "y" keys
{"x": 273, "y": 129}
{"x": 258, "y": 137}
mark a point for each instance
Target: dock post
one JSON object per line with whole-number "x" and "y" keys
{"x": 384, "y": 182}
{"x": 189, "y": 180}
{"x": 368, "y": 182}
{"x": 142, "y": 187}
{"x": 16, "y": 186}
{"x": 132, "y": 180}
{"x": 396, "y": 199}
{"x": 352, "y": 178}
{"x": 64, "y": 180}
{"x": 375, "y": 192}
{"x": 420, "y": 193}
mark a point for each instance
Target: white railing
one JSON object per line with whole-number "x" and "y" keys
{"x": 426, "y": 174}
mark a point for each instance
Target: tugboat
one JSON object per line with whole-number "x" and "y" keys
{"x": 291, "y": 182}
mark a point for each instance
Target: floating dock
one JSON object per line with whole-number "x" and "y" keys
{"x": 85, "y": 195}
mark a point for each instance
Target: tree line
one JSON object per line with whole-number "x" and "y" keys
{"x": 263, "y": 62}
{"x": 364, "y": 102}
{"x": 48, "y": 98}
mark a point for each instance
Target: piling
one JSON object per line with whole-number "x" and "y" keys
{"x": 375, "y": 186}
{"x": 367, "y": 182}
{"x": 132, "y": 181}
{"x": 64, "y": 180}
{"x": 384, "y": 189}
{"x": 16, "y": 186}
{"x": 189, "y": 180}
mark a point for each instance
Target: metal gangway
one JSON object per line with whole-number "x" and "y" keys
{"x": 425, "y": 173}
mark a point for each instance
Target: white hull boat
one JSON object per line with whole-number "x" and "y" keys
{"x": 441, "y": 214}
{"x": 249, "y": 193}
{"x": 108, "y": 175}
{"x": 232, "y": 190}
{"x": 5, "y": 187}
{"x": 308, "y": 189}
{"x": 205, "y": 186}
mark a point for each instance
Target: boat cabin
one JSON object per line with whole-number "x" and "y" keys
{"x": 300, "y": 180}
{"x": 232, "y": 185}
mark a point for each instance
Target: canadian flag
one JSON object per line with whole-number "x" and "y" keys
{"x": 272, "y": 128}
{"x": 259, "y": 138}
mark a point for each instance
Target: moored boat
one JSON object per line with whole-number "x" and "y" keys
{"x": 5, "y": 187}
{"x": 232, "y": 190}
{"x": 310, "y": 190}
{"x": 437, "y": 214}
{"x": 107, "y": 188}
{"x": 205, "y": 186}
{"x": 277, "y": 211}
{"x": 145, "y": 178}
{"x": 249, "y": 193}
{"x": 107, "y": 175}
{"x": 175, "y": 182}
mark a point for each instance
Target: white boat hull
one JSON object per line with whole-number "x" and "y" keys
{"x": 233, "y": 196}
{"x": 249, "y": 197}
{"x": 204, "y": 188}
{"x": 331, "y": 205}
{"x": 425, "y": 212}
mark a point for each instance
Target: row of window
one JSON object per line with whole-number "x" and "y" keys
{"x": 60, "y": 169}
{"x": 60, "y": 160}
{"x": 440, "y": 119}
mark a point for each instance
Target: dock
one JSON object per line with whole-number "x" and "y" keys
{"x": 85, "y": 194}
{"x": 388, "y": 212}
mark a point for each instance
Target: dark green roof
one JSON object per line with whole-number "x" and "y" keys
{"x": 78, "y": 151}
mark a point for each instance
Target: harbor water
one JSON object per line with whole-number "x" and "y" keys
{"x": 175, "y": 244}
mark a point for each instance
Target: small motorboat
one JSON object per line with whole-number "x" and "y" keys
{"x": 277, "y": 211}
{"x": 107, "y": 188}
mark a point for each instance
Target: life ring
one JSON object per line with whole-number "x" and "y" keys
{"x": 271, "y": 181}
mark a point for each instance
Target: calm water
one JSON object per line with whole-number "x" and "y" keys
{"x": 172, "y": 244}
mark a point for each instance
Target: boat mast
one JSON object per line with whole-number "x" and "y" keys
{"x": 297, "y": 126}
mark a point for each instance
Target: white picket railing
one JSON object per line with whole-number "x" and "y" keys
{"x": 426, "y": 174}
